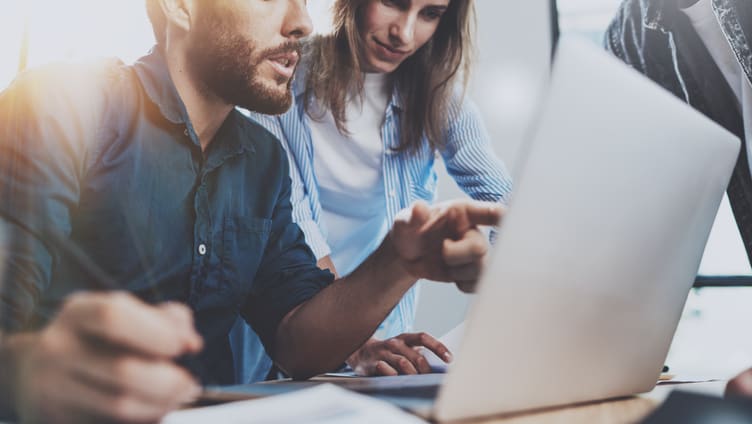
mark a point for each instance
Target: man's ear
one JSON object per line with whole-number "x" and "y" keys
{"x": 178, "y": 13}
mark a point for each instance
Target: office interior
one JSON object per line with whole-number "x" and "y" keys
{"x": 712, "y": 335}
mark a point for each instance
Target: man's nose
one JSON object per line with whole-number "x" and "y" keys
{"x": 297, "y": 20}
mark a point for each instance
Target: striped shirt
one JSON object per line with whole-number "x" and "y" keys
{"x": 408, "y": 176}
{"x": 468, "y": 156}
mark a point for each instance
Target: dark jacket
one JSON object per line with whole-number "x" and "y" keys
{"x": 657, "y": 38}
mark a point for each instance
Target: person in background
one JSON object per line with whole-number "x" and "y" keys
{"x": 701, "y": 51}
{"x": 375, "y": 104}
{"x": 154, "y": 175}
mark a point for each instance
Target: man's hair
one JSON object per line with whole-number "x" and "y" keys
{"x": 425, "y": 81}
{"x": 158, "y": 21}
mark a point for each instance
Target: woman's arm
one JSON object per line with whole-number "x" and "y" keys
{"x": 470, "y": 158}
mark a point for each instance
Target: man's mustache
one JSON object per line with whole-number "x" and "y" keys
{"x": 287, "y": 47}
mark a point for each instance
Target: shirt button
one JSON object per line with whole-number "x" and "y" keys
{"x": 392, "y": 193}
{"x": 185, "y": 131}
{"x": 202, "y": 249}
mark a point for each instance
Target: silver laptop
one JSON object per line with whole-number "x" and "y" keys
{"x": 613, "y": 205}
{"x": 602, "y": 242}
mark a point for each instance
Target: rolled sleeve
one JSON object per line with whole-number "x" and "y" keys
{"x": 315, "y": 238}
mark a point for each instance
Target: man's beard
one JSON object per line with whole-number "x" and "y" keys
{"x": 227, "y": 64}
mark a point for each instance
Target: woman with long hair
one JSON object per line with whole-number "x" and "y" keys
{"x": 375, "y": 103}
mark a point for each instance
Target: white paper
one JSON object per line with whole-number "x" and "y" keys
{"x": 452, "y": 341}
{"x": 323, "y": 404}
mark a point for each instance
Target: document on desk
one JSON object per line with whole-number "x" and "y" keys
{"x": 323, "y": 404}
{"x": 452, "y": 341}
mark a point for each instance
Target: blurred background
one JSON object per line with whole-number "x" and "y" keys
{"x": 712, "y": 337}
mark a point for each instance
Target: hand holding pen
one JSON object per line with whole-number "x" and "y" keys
{"x": 106, "y": 356}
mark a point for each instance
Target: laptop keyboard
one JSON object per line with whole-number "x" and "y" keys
{"x": 422, "y": 392}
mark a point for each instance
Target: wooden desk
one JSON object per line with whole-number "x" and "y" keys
{"x": 626, "y": 410}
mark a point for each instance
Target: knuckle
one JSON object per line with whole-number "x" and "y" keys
{"x": 74, "y": 300}
{"x": 105, "y": 317}
{"x": 178, "y": 380}
{"x": 394, "y": 343}
{"x": 381, "y": 367}
{"x": 479, "y": 248}
{"x": 122, "y": 408}
{"x": 108, "y": 313}
{"x": 123, "y": 369}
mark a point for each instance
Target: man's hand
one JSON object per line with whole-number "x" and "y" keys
{"x": 106, "y": 357}
{"x": 443, "y": 242}
{"x": 398, "y": 355}
{"x": 741, "y": 385}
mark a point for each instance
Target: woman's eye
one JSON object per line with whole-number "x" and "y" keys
{"x": 432, "y": 14}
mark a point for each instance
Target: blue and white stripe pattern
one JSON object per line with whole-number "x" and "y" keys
{"x": 408, "y": 177}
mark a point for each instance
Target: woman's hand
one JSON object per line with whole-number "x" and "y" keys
{"x": 398, "y": 355}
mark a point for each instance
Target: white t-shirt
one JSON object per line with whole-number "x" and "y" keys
{"x": 348, "y": 171}
{"x": 709, "y": 29}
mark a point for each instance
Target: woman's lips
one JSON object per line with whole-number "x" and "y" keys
{"x": 388, "y": 52}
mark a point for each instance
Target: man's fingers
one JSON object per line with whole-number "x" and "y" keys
{"x": 157, "y": 381}
{"x": 466, "y": 273}
{"x": 467, "y": 286}
{"x": 421, "y": 213}
{"x": 182, "y": 318}
{"x": 414, "y": 216}
{"x": 482, "y": 213}
{"x": 741, "y": 385}
{"x": 468, "y": 249}
{"x": 126, "y": 322}
{"x": 79, "y": 402}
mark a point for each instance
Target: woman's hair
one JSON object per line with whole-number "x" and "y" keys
{"x": 425, "y": 80}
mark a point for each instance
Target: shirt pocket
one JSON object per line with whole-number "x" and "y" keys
{"x": 244, "y": 241}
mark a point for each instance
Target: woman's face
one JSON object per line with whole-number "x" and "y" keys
{"x": 392, "y": 30}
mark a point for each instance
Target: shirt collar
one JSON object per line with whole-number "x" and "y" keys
{"x": 155, "y": 78}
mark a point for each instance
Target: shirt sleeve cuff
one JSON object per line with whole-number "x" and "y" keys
{"x": 315, "y": 239}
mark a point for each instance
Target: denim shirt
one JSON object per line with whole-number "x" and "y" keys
{"x": 657, "y": 39}
{"x": 107, "y": 156}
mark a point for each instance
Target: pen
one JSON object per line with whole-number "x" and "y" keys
{"x": 56, "y": 242}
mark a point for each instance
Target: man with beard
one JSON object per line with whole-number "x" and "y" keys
{"x": 151, "y": 171}
{"x": 701, "y": 51}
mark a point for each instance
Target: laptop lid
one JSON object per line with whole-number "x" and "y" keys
{"x": 601, "y": 244}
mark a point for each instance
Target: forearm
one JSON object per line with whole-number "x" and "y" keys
{"x": 322, "y": 333}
